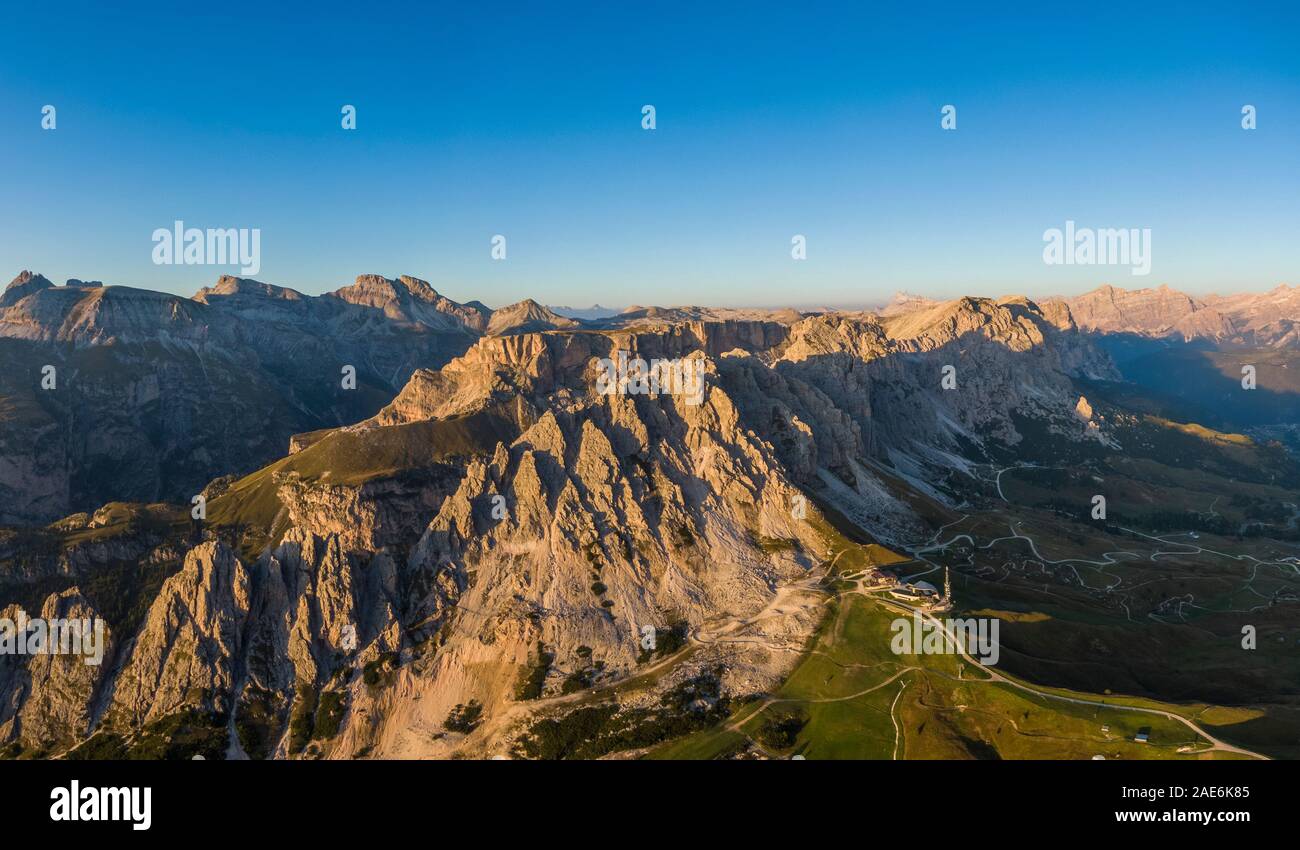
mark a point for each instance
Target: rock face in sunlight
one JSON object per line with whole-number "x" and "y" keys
{"x": 1263, "y": 319}
{"x": 51, "y": 698}
{"x": 191, "y": 640}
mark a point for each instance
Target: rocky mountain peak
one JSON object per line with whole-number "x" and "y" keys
{"x": 229, "y": 285}
{"x": 1157, "y": 311}
{"x": 25, "y": 284}
{"x": 527, "y": 316}
{"x": 371, "y": 288}
{"x": 25, "y": 277}
{"x": 411, "y": 299}
{"x": 375, "y": 286}
{"x": 418, "y": 287}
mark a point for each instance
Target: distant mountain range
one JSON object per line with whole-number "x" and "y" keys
{"x": 1267, "y": 319}
{"x": 1250, "y": 319}
{"x": 595, "y": 311}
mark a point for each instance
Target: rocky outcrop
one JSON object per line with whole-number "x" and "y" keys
{"x": 47, "y": 695}
{"x": 191, "y": 641}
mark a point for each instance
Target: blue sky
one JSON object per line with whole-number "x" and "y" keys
{"x": 772, "y": 120}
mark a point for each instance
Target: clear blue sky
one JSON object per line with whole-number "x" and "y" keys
{"x": 525, "y": 120}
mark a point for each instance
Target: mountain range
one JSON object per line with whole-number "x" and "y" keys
{"x": 459, "y": 557}
{"x": 1252, "y": 319}
{"x": 162, "y": 392}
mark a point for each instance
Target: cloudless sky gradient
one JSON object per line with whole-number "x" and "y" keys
{"x": 773, "y": 120}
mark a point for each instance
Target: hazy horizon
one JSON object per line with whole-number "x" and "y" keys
{"x": 450, "y": 290}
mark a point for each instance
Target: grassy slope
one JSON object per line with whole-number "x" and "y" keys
{"x": 848, "y": 686}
